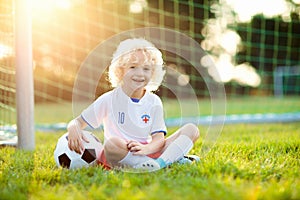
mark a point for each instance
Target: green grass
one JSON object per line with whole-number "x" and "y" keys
{"x": 246, "y": 105}
{"x": 248, "y": 162}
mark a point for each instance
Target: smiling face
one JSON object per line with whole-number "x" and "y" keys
{"x": 140, "y": 52}
{"x": 136, "y": 74}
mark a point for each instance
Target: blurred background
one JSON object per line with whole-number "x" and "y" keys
{"x": 255, "y": 46}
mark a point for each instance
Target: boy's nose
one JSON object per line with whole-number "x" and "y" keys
{"x": 139, "y": 71}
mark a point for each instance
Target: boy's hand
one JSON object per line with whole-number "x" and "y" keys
{"x": 75, "y": 137}
{"x": 75, "y": 141}
{"x": 137, "y": 148}
{"x": 156, "y": 145}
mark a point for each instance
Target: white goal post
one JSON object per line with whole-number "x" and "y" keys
{"x": 24, "y": 75}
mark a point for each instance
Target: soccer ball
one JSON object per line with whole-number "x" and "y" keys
{"x": 66, "y": 158}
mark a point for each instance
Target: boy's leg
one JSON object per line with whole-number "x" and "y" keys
{"x": 189, "y": 130}
{"x": 115, "y": 149}
{"x": 117, "y": 155}
{"x": 141, "y": 163}
{"x": 179, "y": 144}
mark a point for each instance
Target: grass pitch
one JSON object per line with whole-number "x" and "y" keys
{"x": 248, "y": 162}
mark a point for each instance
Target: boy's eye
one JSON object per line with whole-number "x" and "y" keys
{"x": 147, "y": 68}
{"x": 132, "y": 67}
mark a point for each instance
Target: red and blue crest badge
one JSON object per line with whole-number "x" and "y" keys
{"x": 145, "y": 118}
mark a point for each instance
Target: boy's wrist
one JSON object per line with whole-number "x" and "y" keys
{"x": 73, "y": 124}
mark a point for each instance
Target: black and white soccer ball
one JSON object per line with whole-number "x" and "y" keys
{"x": 66, "y": 158}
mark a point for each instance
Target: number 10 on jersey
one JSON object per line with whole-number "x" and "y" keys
{"x": 121, "y": 118}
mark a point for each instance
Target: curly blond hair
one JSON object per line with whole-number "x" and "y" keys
{"x": 125, "y": 53}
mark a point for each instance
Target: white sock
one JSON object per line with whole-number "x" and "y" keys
{"x": 131, "y": 160}
{"x": 177, "y": 149}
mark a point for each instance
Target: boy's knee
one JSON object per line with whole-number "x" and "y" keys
{"x": 192, "y": 131}
{"x": 115, "y": 149}
{"x": 113, "y": 145}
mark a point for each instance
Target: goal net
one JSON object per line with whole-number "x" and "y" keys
{"x": 247, "y": 44}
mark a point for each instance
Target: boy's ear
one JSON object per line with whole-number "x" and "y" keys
{"x": 119, "y": 72}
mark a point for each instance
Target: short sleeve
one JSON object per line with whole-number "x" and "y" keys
{"x": 158, "y": 122}
{"x": 95, "y": 113}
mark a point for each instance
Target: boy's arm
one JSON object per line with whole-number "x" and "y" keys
{"x": 156, "y": 145}
{"x": 75, "y": 135}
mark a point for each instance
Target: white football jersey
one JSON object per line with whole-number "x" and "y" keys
{"x": 124, "y": 118}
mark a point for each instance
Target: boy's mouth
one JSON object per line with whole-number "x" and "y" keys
{"x": 139, "y": 80}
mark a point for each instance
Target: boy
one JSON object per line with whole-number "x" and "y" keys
{"x": 132, "y": 116}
